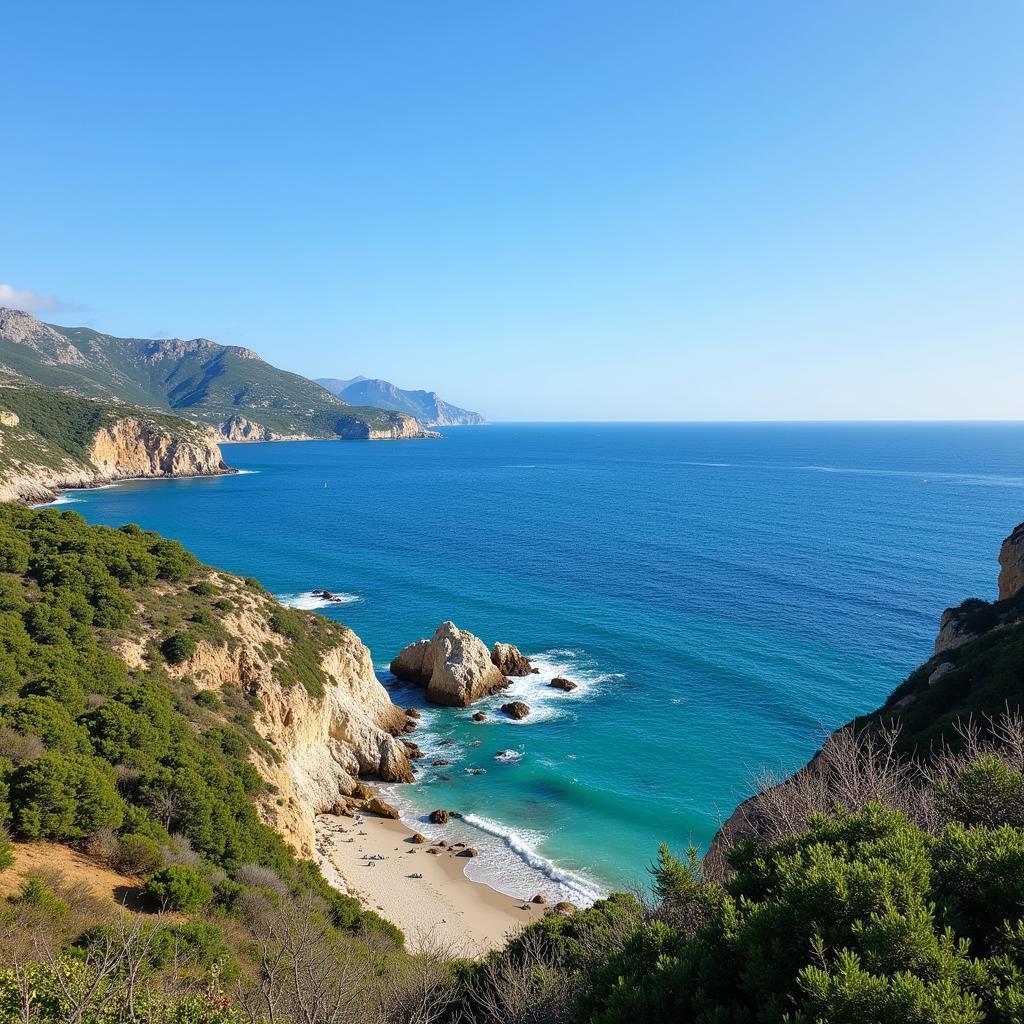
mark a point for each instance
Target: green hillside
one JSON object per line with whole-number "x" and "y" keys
{"x": 198, "y": 379}
{"x": 54, "y": 428}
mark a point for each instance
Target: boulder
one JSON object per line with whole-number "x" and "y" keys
{"x": 418, "y": 839}
{"x": 455, "y": 666}
{"x": 469, "y": 851}
{"x": 435, "y": 851}
{"x": 441, "y": 762}
{"x": 510, "y": 661}
{"x": 539, "y": 898}
{"x": 560, "y": 683}
{"x": 516, "y": 708}
{"x": 412, "y": 712}
{"x": 479, "y": 716}
{"x": 377, "y": 806}
{"x": 564, "y": 908}
{"x": 439, "y": 817}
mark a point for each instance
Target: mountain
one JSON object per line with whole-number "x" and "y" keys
{"x": 50, "y": 440}
{"x": 427, "y": 406}
{"x": 224, "y": 386}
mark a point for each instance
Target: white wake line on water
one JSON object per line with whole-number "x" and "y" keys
{"x": 246, "y": 472}
{"x": 307, "y": 601}
{"x": 583, "y": 888}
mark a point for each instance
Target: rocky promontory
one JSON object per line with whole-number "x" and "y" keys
{"x": 1011, "y": 564}
{"x": 50, "y": 441}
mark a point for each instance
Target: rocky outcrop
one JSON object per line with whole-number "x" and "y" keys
{"x": 1011, "y": 563}
{"x": 455, "y": 667}
{"x": 238, "y": 428}
{"x": 561, "y": 683}
{"x": 510, "y": 661}
{"x": 133, "y": 447}
{"x": 954, "y": 631}
{"x": 516, "y": 709}
{"x": 318, "y": 748}
{"x": 395, "y": 426}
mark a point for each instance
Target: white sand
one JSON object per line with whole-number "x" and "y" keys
{"x": 469, "y": 917}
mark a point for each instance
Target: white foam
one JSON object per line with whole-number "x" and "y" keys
{"x": 508, "y": 756}
{"x": 577, "y": 888}
{"x": 308, "y": 601}
{"x": 245, "y": 472}
{"x": 61, "y": 499}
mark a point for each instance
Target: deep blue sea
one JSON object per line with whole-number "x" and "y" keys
{"x": 723, "y": 594}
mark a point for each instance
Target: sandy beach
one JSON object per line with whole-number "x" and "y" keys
{"x": 444, "y": 904}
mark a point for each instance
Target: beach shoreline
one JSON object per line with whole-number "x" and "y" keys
{"x": 441, "y": 907}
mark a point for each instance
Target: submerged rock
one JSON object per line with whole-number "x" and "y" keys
{"x": 517, "y": 709}
{"x": 510, "y": 661}
{"x": 455, "y": 666}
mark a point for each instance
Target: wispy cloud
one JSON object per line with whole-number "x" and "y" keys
{"x": 33, "y": 302}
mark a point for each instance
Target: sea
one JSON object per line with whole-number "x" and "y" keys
{"x": 722, "y": 594}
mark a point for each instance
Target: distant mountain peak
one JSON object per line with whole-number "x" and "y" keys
{"x": 427, "y": 406}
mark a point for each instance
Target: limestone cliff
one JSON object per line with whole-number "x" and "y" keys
{"x": 396, "y": 427}
{"x": 1011, "y": 562}
{"x": 318, "y": 747}
{"x": 50, "y": 440}
{"x": 134, "y": 447}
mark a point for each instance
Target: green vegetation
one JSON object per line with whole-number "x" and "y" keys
{"x": 199, "y": 379}
{"x": 179, "y": 887}
{"x": 883, "y": 884}
{"x": 55, "y": 428}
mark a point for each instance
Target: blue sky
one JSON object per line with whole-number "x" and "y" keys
{"x": 558, "y": 210}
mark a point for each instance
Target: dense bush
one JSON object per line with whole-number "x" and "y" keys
{"x": 178, "y": 647}
{"x": 179, "y": 888}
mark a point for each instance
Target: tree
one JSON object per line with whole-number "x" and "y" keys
{"x": 64, "y": 796}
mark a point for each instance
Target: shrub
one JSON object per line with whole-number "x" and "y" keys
{"x": 34, "y": 893}
{"x": 137, "y": 855}
{"x": 6, "y": 849}
{"x": 178, "y": 647}
{"x": 204, "y": 588}
{"x": 179, "y": 888}
{"x": 207, "y": 699}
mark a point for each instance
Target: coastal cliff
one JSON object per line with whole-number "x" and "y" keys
{"x": 975, "y": 673}
{"x": 323, "y": 732}
{"x": 49, "y": 441}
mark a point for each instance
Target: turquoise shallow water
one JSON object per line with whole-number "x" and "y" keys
{"x": 722, "y": 593}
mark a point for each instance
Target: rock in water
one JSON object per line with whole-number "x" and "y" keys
{"x": 560, "y": 683}
{"x": 516, "y": 708}
{"x": 510, "y": 661}
{"x": 469, "y": 851}
{"x": 479, "y": 716}
{"x": 439, "y": 817}
{"x": 454, "y": 665}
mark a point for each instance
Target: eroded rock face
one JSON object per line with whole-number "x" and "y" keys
{"x": 132, "y": 447}
{"x": 1011, "y": 564}
{"x": 455, "y": 666}
{"x": 238, "y": 428}
{"x": 323, "y": 744}
{"x": 953, "y": 631}
{"x": 510, "y": 661}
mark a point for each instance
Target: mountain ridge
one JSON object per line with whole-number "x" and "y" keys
{"x": 196, "y": 378}
{"x": 427, "y": 406}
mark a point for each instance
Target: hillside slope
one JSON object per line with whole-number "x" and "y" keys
{"x": 224, "y": 386}
{"x": 50, "y": 440}
{"x": 427, "y": 406}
